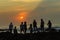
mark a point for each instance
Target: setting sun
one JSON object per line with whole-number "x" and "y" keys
{"x": 21, "y": 16}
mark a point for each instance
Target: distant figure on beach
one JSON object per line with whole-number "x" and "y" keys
{"x": 25, "y": 27}
{"x": 42, "y": 25}
{"x": 10, "y": 27}
{"x": 30, "y": 28}
{"x": 21, "y": 27}
{"x": 15, "y": 30}
{"x": 49, "y": 24}
{"x": 35, "y": 25}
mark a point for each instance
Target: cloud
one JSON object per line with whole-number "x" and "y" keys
{"x": 18, "y": 6}
{"x": 26, "y": 0}
{"x": 48, "y": 10}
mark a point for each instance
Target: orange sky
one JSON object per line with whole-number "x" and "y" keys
{"x": 22, "y": 16}
{"x": 20, "y": 10}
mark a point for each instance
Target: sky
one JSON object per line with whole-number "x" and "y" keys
{"x": 27, "y": 10}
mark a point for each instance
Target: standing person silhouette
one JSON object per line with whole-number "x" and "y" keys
{"x": 25, "y": 27}
{"x": 35, "y": 25}
{"x": 10, "y": 27}
{"x": 30, "y": 28}
{"x": 42, "y": 25}
{"x": 49, "y": 24}
{"x": 21, "y": 27}
{"x": 15, "y": 30}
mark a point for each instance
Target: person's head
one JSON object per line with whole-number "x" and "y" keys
{"x": 41, "y": 19}
{"x": 49, "y": 21}
{"x": 15, "y": 27}
{"x": 21, "y": 22}
{"x": 30, "y": 24}
{"x": 25, "y": 22}
{"x": 34, "y": 20}
{"x": 11, "y": 23}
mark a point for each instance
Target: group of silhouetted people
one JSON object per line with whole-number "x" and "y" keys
{"x": 23, "y": 27}
{"x": 33, "y": 27}
{"x": 11, "y": 28}
{"x": 42, "y": 25}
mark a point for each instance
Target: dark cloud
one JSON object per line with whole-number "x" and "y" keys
{"x": 48, "y": 10}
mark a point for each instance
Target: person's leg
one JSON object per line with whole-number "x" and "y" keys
{"x": 25, "y": 31}
{"x": 34, "y": 29}
{"x": 10, "y": 30}
{"x": 20, "y": 30}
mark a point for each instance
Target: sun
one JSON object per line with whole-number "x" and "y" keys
{"x": 21, "y": 17}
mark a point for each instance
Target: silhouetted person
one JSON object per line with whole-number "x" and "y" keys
{"x": 30, "y": 28}
{"x": 42, "y": 25}
{"x": 35, "y": 25}
{"x": 25, "y": 27}
{"x": 15, "y": 30}
{"x": 49, "y": 24}
{"x": 21, "y": 27}
{"x": 10, "y": 27}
